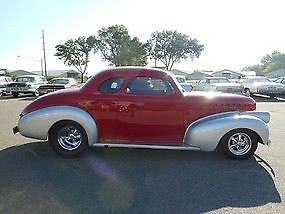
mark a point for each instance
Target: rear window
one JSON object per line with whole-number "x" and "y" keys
{"x": 25, "y": 79}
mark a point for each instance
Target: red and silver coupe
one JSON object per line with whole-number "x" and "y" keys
{"x": 139, "y": 107}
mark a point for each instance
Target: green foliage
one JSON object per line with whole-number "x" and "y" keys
{"x": 170, "y": 47}
{"x": 273, "y": 66}
{"x": 274, "y": 57}
{"x": 257, "y": 68}
{"x": 76, "y": 53}
{"x": 118, "y": 48}
{"x": 9, "y": 74}
{"x": 269, "y": 62}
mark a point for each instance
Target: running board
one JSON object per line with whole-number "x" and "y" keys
{"x": 141, "y": 146}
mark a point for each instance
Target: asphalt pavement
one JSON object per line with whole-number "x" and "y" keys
{"x": 35, "y": 180}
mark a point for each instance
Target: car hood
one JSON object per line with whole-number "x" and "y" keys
{"x": 268, "y": 84}
{"x": 229, "y": 84}
{"x": 214, "y": 102}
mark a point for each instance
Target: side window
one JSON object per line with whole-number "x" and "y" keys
{"x": 112, "y": 85}
{"x": 149, "y": 85}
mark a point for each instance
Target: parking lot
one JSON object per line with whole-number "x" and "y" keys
{"x": 35, "y": 180}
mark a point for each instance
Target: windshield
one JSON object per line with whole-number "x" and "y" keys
{"x": 261, "y": 80}
{"x": 221, "y": 80}
{"x": 59, "y": 81}
{"x": 25, "y": 79}
{"x": 181, "y": 79}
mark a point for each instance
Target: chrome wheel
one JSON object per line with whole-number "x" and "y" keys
{"x": 239, "y": 144}
{"x": 69, "y": 138}
{"x": 37, "y": 93}
{"x": 247, "y": 92}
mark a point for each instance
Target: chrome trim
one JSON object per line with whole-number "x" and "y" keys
{"x": 145, "y": 146}
{"x": 239, "y": 143}
{"x": 207, "y": 132}
{"x": 69, "y": 138}
{"x": 37, "y": 124}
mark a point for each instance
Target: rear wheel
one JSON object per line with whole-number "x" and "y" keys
{"x": 239, "y": 144}
{"x": 15, "y": 94}
{"x": 68, "y": 138}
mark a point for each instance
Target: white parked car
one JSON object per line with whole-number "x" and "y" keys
{"x": 261, "y": 85}
{"x": 220, "y": 84}
{"x": 26, "y": 84}
{"x": 183, "y": 83}
{"x": 3, "y": 82}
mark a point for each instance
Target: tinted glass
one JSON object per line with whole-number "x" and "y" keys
{"x": 149, "y": 85}
{"x": 112, "y": 85}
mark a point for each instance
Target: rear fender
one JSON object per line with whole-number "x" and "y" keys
{"x": 37, "y": 124}
{"x": 207, "y": 132}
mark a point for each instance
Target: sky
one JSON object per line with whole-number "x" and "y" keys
{"x": 235, "y": 33}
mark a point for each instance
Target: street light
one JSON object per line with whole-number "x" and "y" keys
{"x": 41, "y": 61}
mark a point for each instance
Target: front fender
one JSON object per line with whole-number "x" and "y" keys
{"x": 37, "y": 124}
{"x": 207, "y": 132}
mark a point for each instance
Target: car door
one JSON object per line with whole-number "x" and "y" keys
{"x": 150, "y": 111}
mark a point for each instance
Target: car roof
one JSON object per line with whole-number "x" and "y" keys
{"x": 215, "y": 78}
{"x": 30, "y": 75}
{"x": 254, "y": 77}
{"x": 126, "y": 72}
{"x": 62, "y": 78}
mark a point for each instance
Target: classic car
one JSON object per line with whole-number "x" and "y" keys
{"x": 261, "y": 85}
{"x": 138, "y": 107}
{"x": 26, "y": 84}
{"x": 220, "y": 84}
{"x": 56, "y": 84}
{"x": 3, "y": 82}
{"x": 183, "y": 83}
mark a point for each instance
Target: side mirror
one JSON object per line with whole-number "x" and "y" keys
{"x": 128, "y": 90}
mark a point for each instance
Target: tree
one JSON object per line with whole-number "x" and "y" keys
{"x": 274, "y": 57}
{"x": 170, "y": 47}
{"x": 118, "y": 48}
{"x": 257, "y": 68}
{"x": 269, "y": 62}
{"x": 273, "y": 61}
{"x": 76, "y": 53}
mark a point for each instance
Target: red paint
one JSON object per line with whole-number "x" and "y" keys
{"x": 151, "y": 118}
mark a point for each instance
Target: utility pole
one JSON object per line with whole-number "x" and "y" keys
{"x": 44, "y": 49}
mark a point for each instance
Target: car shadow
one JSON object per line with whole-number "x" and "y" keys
{"x": 35, "y": 180}
{"x": 263, "y": 98}
{"x": 25, "y": 97}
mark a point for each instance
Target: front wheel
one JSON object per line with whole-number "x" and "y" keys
{"x": 247, "y": 92}
{"x": 68, "y": 138}
{"x": 239, "y": 144}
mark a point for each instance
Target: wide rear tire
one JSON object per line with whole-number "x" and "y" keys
{"x": 68, "y": 138}
{"x": 239, "y": 144}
